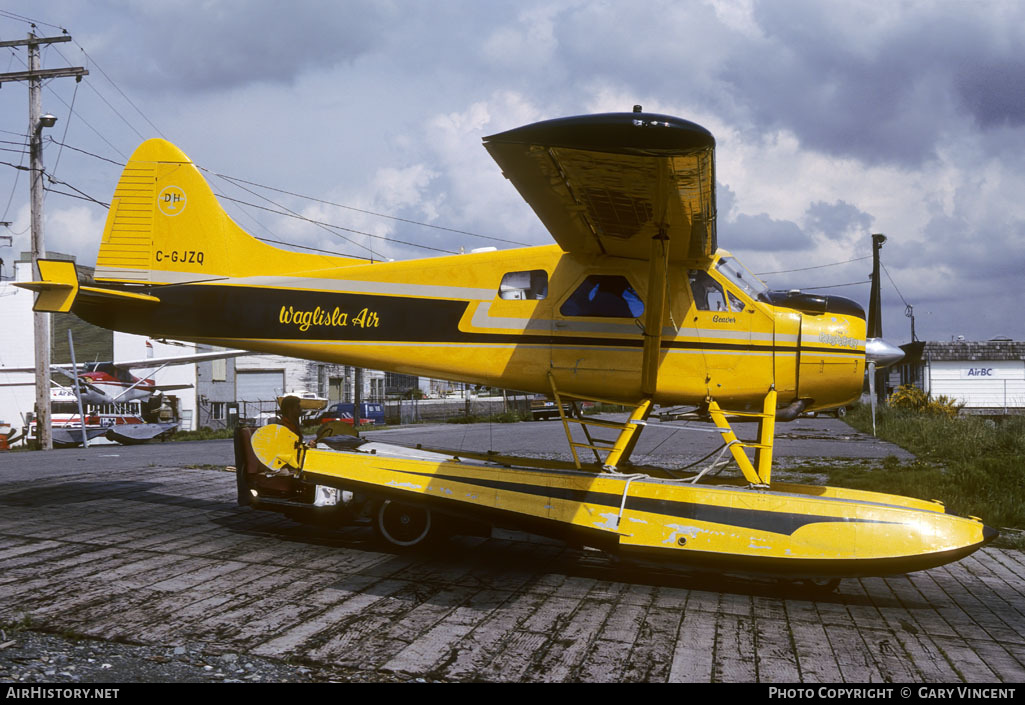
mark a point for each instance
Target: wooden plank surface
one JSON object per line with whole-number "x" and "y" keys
{"x": 161, "y": 555}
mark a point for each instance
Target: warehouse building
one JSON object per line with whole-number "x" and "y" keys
{"x": 988, "y": 377}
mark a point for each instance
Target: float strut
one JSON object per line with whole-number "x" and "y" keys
{"x": 759, "y": 473}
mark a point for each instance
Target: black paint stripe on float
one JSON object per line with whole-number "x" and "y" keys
{"x": 759, "y": 520}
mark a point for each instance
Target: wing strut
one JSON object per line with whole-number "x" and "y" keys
{"x": 654, "y": 312}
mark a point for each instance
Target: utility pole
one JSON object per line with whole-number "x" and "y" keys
{"x": 876, "y": 378}
{"x": 36, "y": 122}
{"x": 875, "y": 305}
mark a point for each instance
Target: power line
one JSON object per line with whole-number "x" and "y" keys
{"x": 107, "y": 102}
{"x": 118, "y": 89}
{"x": 304, "y": 247}
{"x": 365, "y": 212}
{"x": 906, "y": 304}
{"x": 67, "y": 124}
{"x": 292, "y": 214}
{"x": 817, "y": 266}
{"x": 834, "y": 286}
{"x": 17, "y": 176}
{"x": 286, "y": 211}
{"x": 76, "y": 149}
{"x": 28, "y": 20}
{"x": 84, "y": 196}
{"x": 84, "y": 121}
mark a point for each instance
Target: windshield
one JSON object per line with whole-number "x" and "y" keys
{"x": 732, "y": 269}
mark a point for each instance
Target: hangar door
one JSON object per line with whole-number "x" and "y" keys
{"x": 259, "y": 385}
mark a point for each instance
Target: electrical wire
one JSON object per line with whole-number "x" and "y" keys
{"x": 92, "y": 61}
{"x": 834, "y": 286}
{"x": 817, "y": 266}
{"x": 82, "y": 151}
{"x": 291, "y": 213}
{"x": 82, "y": 119}
{"x": 28, "y": 20}
{"x": 906, "y": 304}
{"x": 367, "y": 212}
{"x": 330, "y": 226}
{"x": 105, "y": 101}
{"x": 67, "y": 124}
{"x": 83, "y": 195}
{"x": 17, "y": 176}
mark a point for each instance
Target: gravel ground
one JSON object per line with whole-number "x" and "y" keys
{"x": 30, "y": 657}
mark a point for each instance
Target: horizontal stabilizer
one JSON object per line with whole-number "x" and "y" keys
{"x": 59, "y": 289}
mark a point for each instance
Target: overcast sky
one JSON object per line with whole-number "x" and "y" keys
{"x": 833, "y": 120}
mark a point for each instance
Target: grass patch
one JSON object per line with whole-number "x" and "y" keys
{"x": 975, "y": 466}
{"x": 203, "y": 434}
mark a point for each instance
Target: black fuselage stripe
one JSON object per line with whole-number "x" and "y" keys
{"x": 760, "y": 520}
{"x": 258, "y": 313}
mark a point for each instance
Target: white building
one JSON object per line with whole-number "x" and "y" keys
{"x": 987, "y": 377}
{"x": 17, "y": 391}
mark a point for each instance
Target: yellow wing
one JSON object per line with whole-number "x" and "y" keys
{"x": 608, "y": 184}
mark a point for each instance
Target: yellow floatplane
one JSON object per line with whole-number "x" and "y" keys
{"x": 635, "y": 304}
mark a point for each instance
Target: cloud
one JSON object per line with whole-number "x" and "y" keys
{"x": 196, "y": 45}
{"x": 762, "y": 232}
{"x": 837, "y": 219}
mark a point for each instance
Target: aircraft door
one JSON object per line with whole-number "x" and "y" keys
{"x": 736, "y": 338}
{"x": 595, "y": 335}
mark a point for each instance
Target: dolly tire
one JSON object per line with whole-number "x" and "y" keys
{"x": 403, "y": 525}
{"x": 823, "y": 586}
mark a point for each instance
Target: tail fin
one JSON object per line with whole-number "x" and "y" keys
{"x": 166, "y": 226}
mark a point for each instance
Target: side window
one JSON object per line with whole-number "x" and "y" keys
{"x": 708, "y": 294}
{"x": 605, "y": 295}
{"x": 524, "y": 285}
{"x": 736, "y": 305}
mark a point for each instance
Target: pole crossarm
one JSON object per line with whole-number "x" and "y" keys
{"x": 43, "y": 74}
{"x": 33, "y": 40}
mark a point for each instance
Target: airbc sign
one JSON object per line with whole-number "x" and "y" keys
{"x": 992, "y": 370}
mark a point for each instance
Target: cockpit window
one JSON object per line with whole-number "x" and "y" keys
{"x": 708, "y": 293}
{"x": 737, "y": 273}
{"x": 604, "y": 295}
{"x": 736, "y": 305}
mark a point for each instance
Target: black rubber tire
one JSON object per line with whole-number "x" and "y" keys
{"x": 823, "y": 586}
{"x": 403, "y": 525}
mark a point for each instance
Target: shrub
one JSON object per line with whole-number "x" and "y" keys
{"x": 910, "y": 398}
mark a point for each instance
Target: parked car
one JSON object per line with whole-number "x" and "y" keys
{"x": 371, "y": 413}
{"x": 541, "y": 407}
